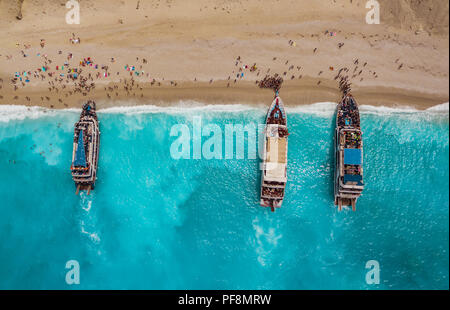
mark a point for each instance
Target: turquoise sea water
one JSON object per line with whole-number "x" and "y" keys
{"x": 154, "y": 222}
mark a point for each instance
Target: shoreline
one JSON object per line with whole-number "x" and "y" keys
{"x": 294, "y": 93}
{"x": 12, "y": 113}
{"x": 15, "y": 112}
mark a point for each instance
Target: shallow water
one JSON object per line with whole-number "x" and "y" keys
{"x": 154, "y": 222}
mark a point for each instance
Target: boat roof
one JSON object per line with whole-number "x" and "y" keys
{"x": 276, "y": 150}
{"x": 80, "y": 155}
{"x": 275, "y": 164}
{"x": 352, "y": 156}
{"x": 275, "y": 172}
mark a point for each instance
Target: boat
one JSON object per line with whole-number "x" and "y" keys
{"x": 348, "y": 173}
{"x": 86, "y": 143}
{"x": 274, "y": 172}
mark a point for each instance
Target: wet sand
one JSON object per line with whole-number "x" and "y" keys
{"x": 246, "y": 93}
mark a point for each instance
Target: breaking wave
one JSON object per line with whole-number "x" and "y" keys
{"x": 20, "y": 112}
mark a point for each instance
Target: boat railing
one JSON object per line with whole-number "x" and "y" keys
{"x": 273, "y": 186}
{"x": 358, "y": 188}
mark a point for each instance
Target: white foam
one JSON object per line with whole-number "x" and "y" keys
{"x": 443, "y": 107}
{"x": 330, "y": 108}
{"x": 88, "y": 207}
{"x": 386, "y": 110}
{"x": 20, "y": 112}
{"x": 194, "y": 106}
{"x": 319, "y": 108}
{"x": 13, "y": 112}
{"x": 179, "y": 108}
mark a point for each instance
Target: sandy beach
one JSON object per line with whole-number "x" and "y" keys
{"x": 161, "y": 52}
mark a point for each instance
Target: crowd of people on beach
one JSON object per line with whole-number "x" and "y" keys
{"x": 73, "y": 78}
{"x": 273, "y": 82}
{"x": 74, "y": 40}
{"x": 345, "y": 85}
{"x": 82, "y": 77}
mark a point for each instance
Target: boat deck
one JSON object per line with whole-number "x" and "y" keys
{"x": 274, "y": 169}
{"x": 85, "y": 149}
{"x": 349, "y": 154}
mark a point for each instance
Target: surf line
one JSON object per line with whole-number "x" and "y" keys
{"x": 197, "y": 300}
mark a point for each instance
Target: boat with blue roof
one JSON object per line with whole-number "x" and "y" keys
{"x": 348, "y": 175}
{"x": 86, "y": 143}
